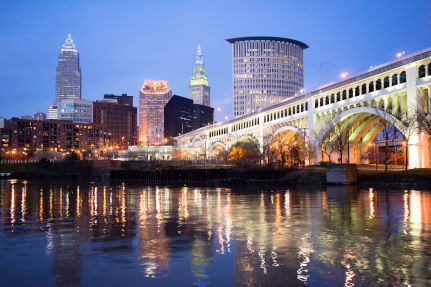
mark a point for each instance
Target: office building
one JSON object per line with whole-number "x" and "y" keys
{"x": 182, "y": 116}
{"x": 79, "y": 111}
{"x": 118, "y": 119}
{"x": 68, "y": 73}
{"x": 153, "y": 96}
{"x": 265, "y": 71}
{"x": 199, "y": 91}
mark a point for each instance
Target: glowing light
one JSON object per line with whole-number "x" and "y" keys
{"x": 218, "y": 109}
{"x": 400, "y": 54}
{"x": 344, "y": 75}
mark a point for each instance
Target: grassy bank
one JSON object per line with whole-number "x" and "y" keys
{"x": 19, "y": 167}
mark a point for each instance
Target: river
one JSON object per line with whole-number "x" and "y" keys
{"x": 91, "y": 234}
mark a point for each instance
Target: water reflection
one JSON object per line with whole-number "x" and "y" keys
{"x": 94, "y": 234}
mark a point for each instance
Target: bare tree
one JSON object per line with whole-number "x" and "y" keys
{"x": 339, "y": 139}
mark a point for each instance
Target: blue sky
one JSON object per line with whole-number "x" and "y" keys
{"x": 123, "y": 43}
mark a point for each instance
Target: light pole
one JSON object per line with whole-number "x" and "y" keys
{"x": 405, "y": 154}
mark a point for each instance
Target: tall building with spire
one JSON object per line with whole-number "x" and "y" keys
{"x": 68, "y": 73}
{"x": 199, "y": 91}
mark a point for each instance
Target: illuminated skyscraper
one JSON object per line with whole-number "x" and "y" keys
{"x": 199, "y": 91}
{"x": 68, "y": 73}
{"x": 265, "y": 71}
{"x": 153, "y": 97}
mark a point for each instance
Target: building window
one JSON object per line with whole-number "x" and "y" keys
{"x": 350, "y": 93}
{"x": 344, "y": 95}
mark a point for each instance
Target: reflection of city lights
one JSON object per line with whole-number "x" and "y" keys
{"x": 371, "y": 196}
{"x": 349, "y": 276}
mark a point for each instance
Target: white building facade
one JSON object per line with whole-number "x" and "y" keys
{"x": 265, "y": 71}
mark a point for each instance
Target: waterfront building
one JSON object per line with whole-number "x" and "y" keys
{"x": 52, "y": 112}
{"x": 153, "y": 96}
{"x": 68, "y": 73}
{"x": 182, "y": 116}
{"x": 118, "y": 119}
{"x": 80, "y": 111}
{"x": 265, "y": 71}
{"x": 60, "y": 135}
{"x": 199, "y": 91}
{"x": 1, "y": 122}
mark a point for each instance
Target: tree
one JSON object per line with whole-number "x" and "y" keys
{"x": 338, "y": 139}
{"x": 244, "y": 153}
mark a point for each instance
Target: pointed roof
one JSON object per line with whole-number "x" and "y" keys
{"x": 69, "y": 45}
{"x": 199, "y": 59}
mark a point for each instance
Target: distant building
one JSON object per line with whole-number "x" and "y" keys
{"x": 153, "y": 96}
{"x": 40, "y": 116}
{"x": 199, "y": 91}
{"x": 80, "y": 111}
{"x": 52, "y": 135}
{"x": 68, "y": 73}
{"x": 52, "y": 112}
{"x": 124, "y": 99}
{"x": 2, "y": 122}
{"x": 26, "y": 117}
{"x": 118, "y": 119}
{"x": 265, "y": 71}
{"x": 182, "y": 116}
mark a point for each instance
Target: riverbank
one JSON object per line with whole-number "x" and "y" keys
{"x": 309, "y": 176}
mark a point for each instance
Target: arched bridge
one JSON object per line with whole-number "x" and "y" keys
{"x": 398, "y": 92}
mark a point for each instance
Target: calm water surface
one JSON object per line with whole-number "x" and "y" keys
{"x": 118, "y": 235}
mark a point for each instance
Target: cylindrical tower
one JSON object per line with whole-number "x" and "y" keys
{"x": 265, "y": 71}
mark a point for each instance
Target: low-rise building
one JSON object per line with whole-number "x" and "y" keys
{"x": 119, "y": 118}
{"x": 59, "y": 135}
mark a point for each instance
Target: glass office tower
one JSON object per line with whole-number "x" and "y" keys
{"x": 68, "y": 73}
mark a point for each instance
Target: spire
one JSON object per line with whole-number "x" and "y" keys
{"x": 69, "y": 45}
{"x": 199, "y": 59}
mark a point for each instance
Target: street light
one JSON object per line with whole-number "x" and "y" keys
{"x": 343, "y": 75}
{"x": 400, "y": 54}
{"x": 377, "y": 156}
{"x": 405, "y": 153}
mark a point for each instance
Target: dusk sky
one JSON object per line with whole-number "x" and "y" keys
{"x": 123, "y": 43}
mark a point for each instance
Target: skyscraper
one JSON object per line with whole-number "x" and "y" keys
{"x": 199, "y": 91}
{"x": 265, "y": 71}
{"x": 153, "y": 97}
{"x": 68, "y": 73}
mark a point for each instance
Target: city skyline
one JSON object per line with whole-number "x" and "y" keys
{"x": 126, "y": 63}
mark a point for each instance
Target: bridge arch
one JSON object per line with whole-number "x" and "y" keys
{"x": 246, "y": 137}
{"x": 196, "y": 141}
{"x": 284, "y": 129}
{"x": 361, "y": 110}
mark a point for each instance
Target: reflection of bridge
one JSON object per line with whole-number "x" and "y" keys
{"x": 393, "y": 92}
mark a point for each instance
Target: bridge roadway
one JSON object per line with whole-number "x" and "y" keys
{"x": 394, "y": 92}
